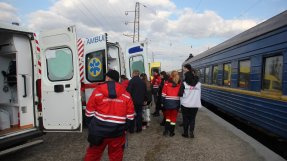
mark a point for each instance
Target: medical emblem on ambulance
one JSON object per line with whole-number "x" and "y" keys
{"x": 95, "y": 67}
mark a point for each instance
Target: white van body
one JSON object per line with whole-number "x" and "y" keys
{"x": 41, "y": 80}
{"x": 107, "y": 56}
{"x": 136, "y": 56}
{"x": 39, "y": 83}
{"x": 97, "y": 52}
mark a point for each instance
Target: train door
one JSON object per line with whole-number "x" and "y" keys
{"x": 60, "y": 81}
{"x": 136, "y": 59}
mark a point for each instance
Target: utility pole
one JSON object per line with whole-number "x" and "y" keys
{"x": 137, "y": 23}
{"x": 136, "y": 34}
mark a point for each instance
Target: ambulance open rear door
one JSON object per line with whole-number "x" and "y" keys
{"x": 60, "y": 81}
{"x": 136, "y": 58}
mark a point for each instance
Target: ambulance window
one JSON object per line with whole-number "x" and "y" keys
{"x": 59, "y": 64}
{"x": 95, "y": 66}
{"x": 137, "y": 63}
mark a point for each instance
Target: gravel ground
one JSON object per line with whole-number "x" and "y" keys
{"x": 212, "y": 142}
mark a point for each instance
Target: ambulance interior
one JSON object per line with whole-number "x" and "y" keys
{"x": 114, "y": 58}
{"x": 16, "y": 82}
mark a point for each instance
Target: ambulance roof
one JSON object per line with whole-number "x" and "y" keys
{"x": 11, "y": 27}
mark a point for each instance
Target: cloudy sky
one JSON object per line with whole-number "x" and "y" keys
{"x": 173, "y": 28}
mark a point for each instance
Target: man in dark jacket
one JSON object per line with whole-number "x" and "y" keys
{"x": 137, "y": 88}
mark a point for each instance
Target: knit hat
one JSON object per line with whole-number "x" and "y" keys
{"x": 114, "y": 75}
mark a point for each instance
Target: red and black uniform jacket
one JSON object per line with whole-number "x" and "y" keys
{"x": 156, "y": 81}
{"x": 110, "y": 105}
{"x": 170, "y": 97}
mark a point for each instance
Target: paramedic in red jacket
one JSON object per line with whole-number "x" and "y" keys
{"x": 109, "y": 106}
{"x": 124, "y": 81}
{"x": 171, "y": 103}
{"x": 155, "y": 87}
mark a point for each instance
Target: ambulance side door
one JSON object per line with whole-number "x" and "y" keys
{"x": 136, "y": 58}
{"x": 60, "y": 87}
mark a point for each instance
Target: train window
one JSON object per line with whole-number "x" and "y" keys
{"x": 273, "y": 68}
{"x": 206, "y": 75}
{"x": 227, "y": 74}
{"x": 214, "y": 74}
{"x": 244, "y": 74}
{"x": 201, "y": 76}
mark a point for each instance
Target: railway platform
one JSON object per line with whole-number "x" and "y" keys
{"x": 215, "y": 140}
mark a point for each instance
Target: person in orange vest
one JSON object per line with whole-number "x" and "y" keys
{"x": 108, "y": 108}
{"x": 171, "y": 103}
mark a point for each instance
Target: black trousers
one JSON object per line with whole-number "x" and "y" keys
{"x": 158, "y": 105}
{"x": 188, "y": 115}
{"x": 138, "y": 119}
{"x": 155, "y": 94}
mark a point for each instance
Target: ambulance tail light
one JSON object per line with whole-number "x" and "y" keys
{"x": 39, "y": 94}
{"x": 19, "y": 123}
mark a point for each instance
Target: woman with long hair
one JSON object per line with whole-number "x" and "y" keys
{"x": 171, "y": 103}
{"x": 190, "y": 101}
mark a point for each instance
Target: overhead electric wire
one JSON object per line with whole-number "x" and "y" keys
{"x": 102, "y": 16}
{"x": 116, "y": 9}
{"x": 197, "y": 6}
{"x": 88, "y": 17}
{"x": 99, "y": 20}
{"x": 250, "y": 7}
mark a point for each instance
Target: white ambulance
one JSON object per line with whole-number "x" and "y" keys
{"x": 41, "y": 81}
{"x": 136, "y": 58}
{"x": 39, "y": 85}
{"x": 97, "y": 56}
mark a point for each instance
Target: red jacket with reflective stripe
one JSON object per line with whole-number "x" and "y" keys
{"x": 156, "y": 81}
{"x": 170, "y": 96}
{"x": 111, "y": 110}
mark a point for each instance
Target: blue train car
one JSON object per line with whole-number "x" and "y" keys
{"x": 246, "y": 76}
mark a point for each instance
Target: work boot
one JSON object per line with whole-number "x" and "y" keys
{"x": 166, "y": 128}
{"x": 184, "y": 135}
{"x": 185, "y": 130}
{"x": 155, "y": 114}
{"x": 163, "y": 122}
{"x": 171, "y": 130}
{"x": 191, "y": 135}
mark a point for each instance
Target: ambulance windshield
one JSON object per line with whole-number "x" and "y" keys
{"x": 137, "y": 63}
{"x": 95, "y": 66}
